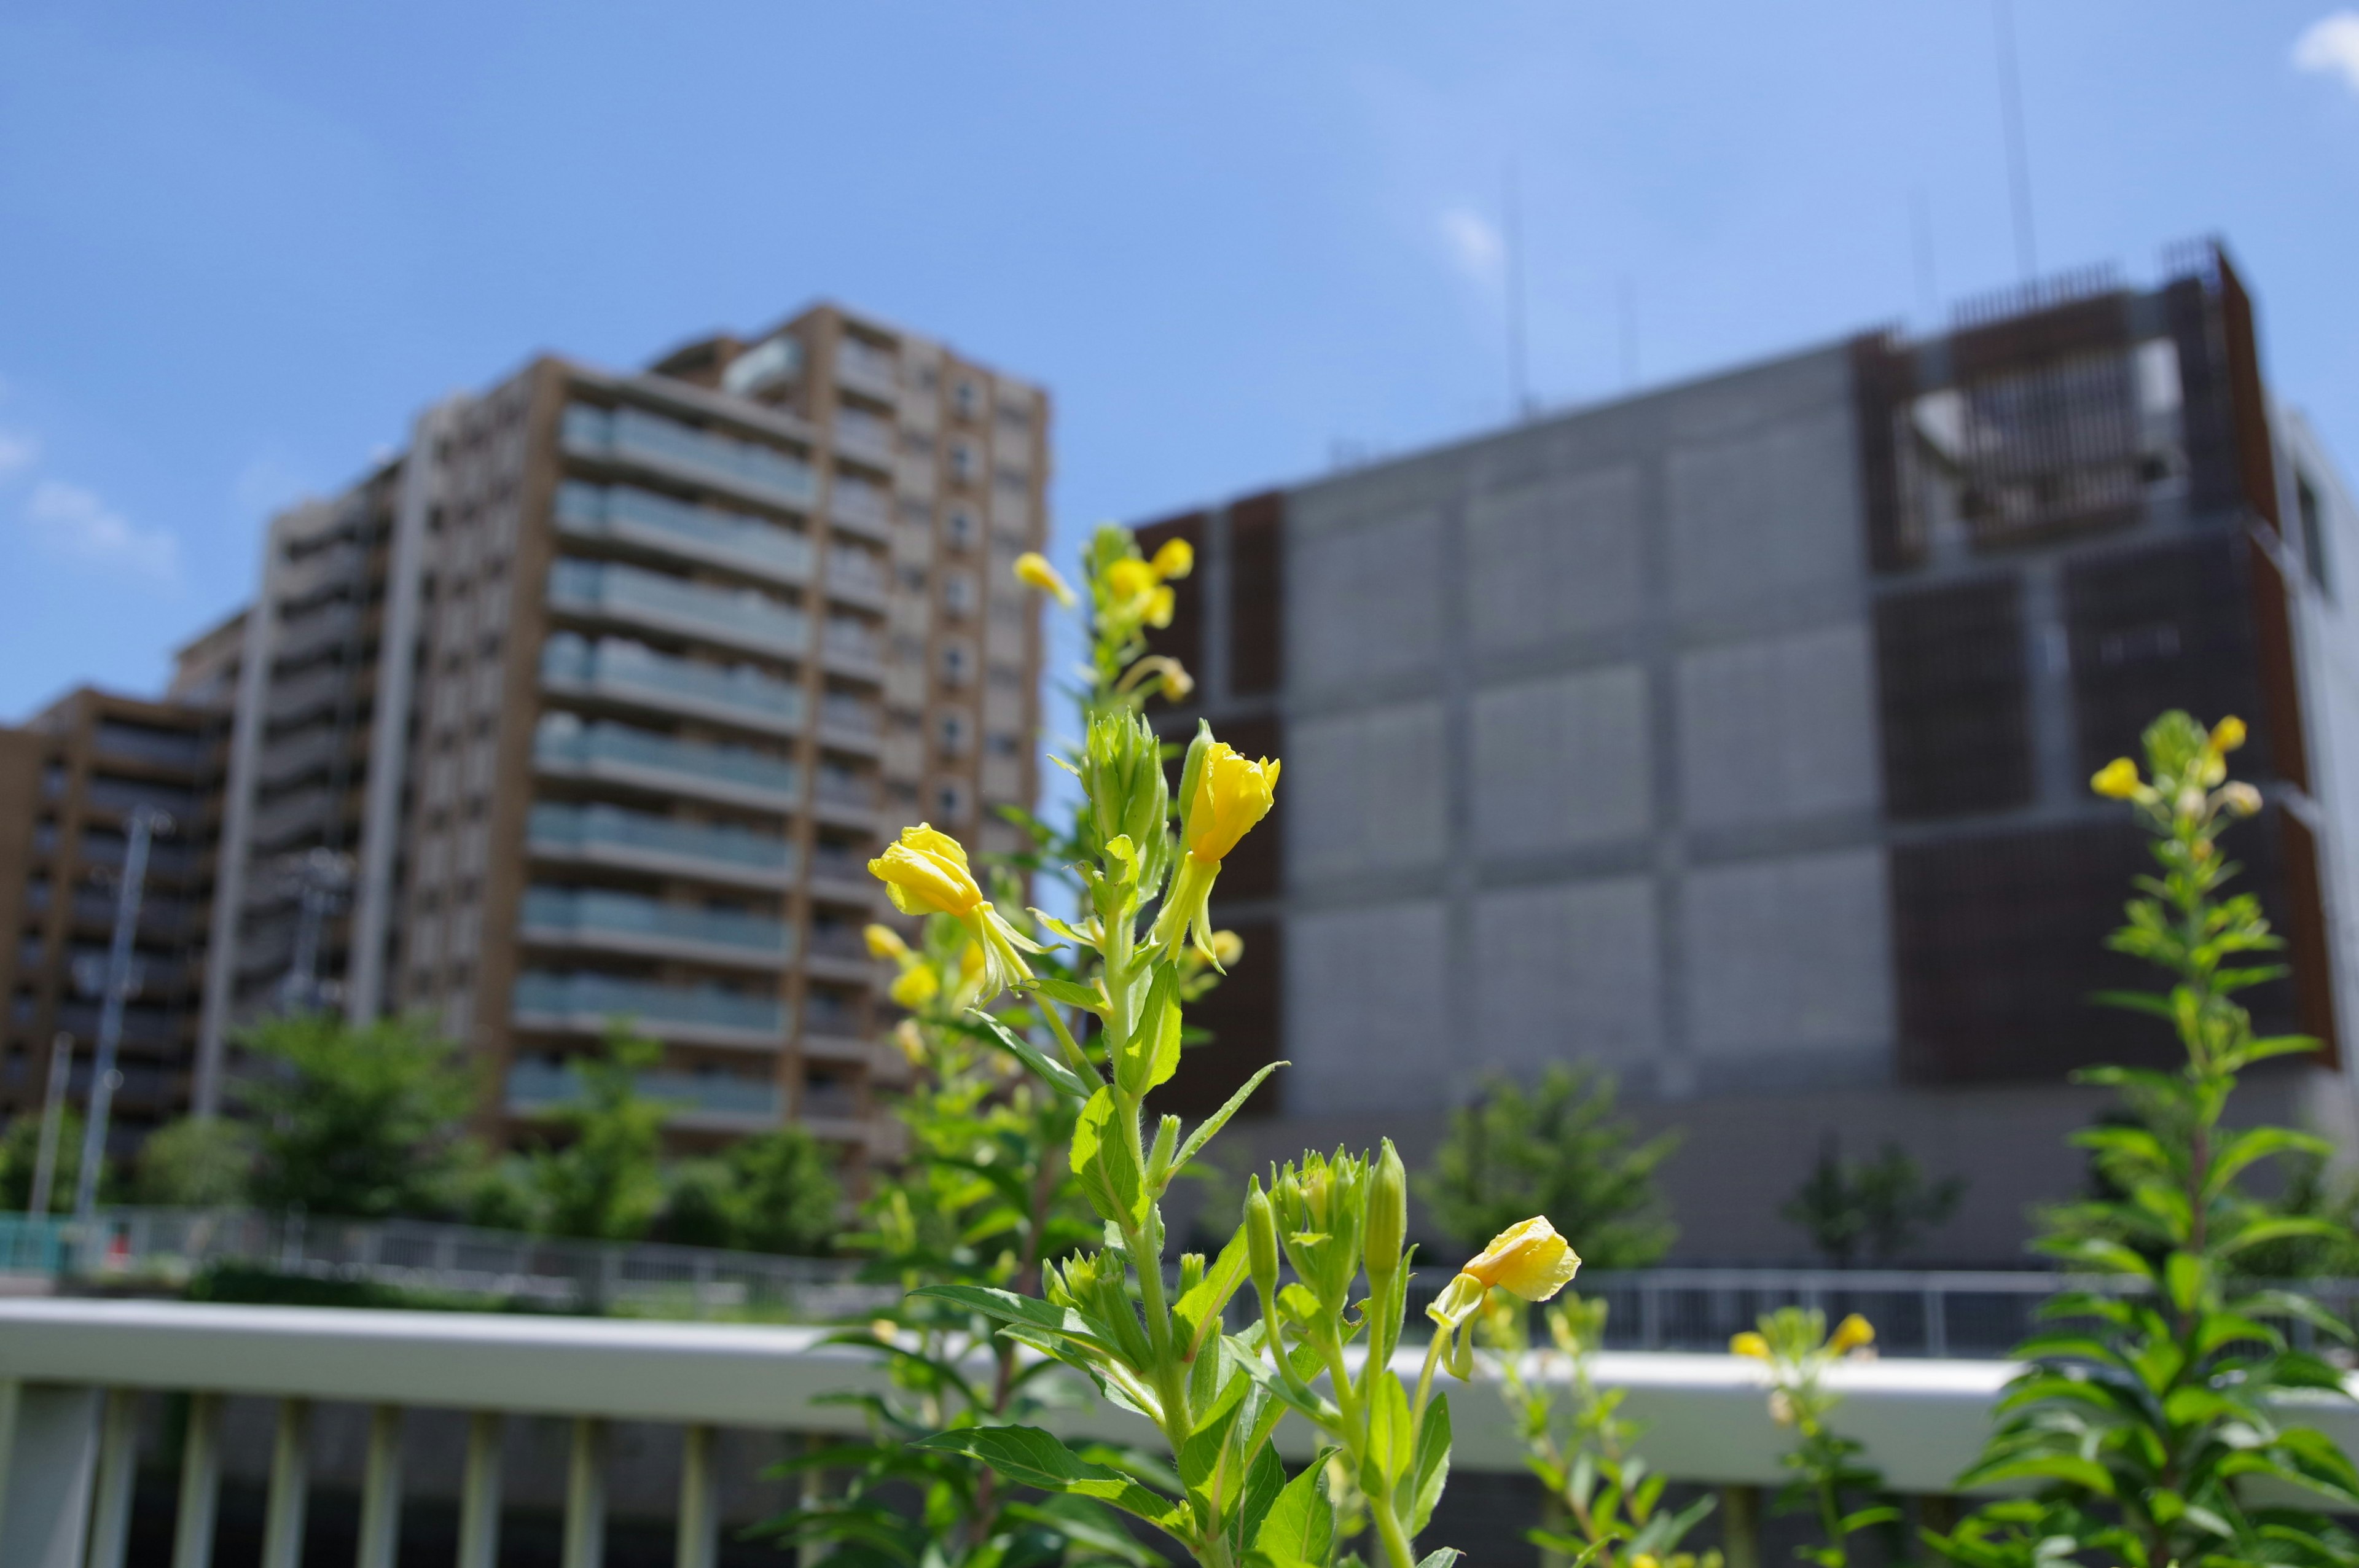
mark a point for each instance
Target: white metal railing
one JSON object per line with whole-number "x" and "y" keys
{"x": 71, "y": 1372}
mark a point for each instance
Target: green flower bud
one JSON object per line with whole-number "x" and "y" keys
{"x": 1386, "y": 1231}
{"x": 1122, "y": 773}
{"x": 1261, "y": 1238}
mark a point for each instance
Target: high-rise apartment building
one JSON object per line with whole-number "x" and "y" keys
{"x": 1736, "y": 737}
{"x": 593, "y": 702}
{"x": 70, "y": 781}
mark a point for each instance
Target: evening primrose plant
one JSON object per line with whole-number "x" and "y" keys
{"x": 1104, "y": 1031}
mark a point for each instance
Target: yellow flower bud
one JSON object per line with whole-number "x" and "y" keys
{"x": 1850, "y": 1334}
{"x": 2228, "y": 734}
{"x": 883, "y": 942}
{"x": 1159, "y": 606}
{"x": 1528, "y": 1259}
{"x": 1176, "y": 682}
{"x": 1232, "y": 795}
{"x": 926, "y": 873}
{"x": 2117, "y": 780}
{"x": 1174, "y": 557}
{"x": 2240, "y": 798}
{"x": 916, "y": 986}
{"x": 1128, "y": 581}
{"x": 1781, "y": 1407}
{"x": 1227, "y": 947}
{"x": 884, "y": 1329}
{"x": 912, "y": 1041}
{"x": 1032, "y": 567}
{"x": 1749, "y": 1344}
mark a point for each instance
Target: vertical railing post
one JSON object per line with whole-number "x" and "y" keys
{"x": 118, "y": 1465}
{"x": 1650, "y": 1314}
{"x": 192, "y": 1529}
{"x": 585, "y": 1496}
{"x": 1936, "y": 1322}
{"x": 288, "y": 1505}
{"x": 700, "y": 1529}
{"x": 479, "y": 1499}
{"x": 49, "y": 1460}
{"x": 1740, "y": 1526}
{"x": 381, "y": 1490}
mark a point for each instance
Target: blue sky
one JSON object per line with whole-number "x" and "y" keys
{"x": 240, "y": 244}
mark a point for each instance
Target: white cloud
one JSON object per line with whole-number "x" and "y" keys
{"x": 75, "y": 522}
{"x": 1474, "y": 243}
{"x": 2330, "y": 46}
{"x": 17, "y": 452}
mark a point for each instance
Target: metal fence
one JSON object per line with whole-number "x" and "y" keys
{"x": 166, "y": 1247}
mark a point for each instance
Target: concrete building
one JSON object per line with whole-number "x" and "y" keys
{"x": 1736, "y": 737}
{"x": 593, "y": 701}
{"x": 70, "y": 780}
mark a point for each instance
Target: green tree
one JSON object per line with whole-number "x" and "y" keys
{"x": 20, "y": 1147}
{"x": 776, "y": 1193}
{"x": 1870, "y": 1211}
{"x": 604, "y": 1182}
{"x": 2145, "y": 1413}
{"x": 198, "y": 1161}
{"x": 1556, "y": 1149}
{"x": 361, "y": 1121}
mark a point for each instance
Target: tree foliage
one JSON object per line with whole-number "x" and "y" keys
{"x": 1869, "y": 1211}
{"x": 362, "y": 1121}
{"x": 604, "y": 1180}
{"x": 198, "y": 1161}
{"x": 1556, "y": 1149}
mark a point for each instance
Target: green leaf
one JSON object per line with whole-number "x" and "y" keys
{"x": 1009, "y": 1307}
{"x": 1389, "y": 1434}
{"x": 1071, "y": 993}
{"x": 1031, "y": 1457}
{"x": 1432, "y": 1471}
{"x": 1199, "y": 1308}
{"x": 2183, "y": 1276}
{"x": 2069, "y": 1468}
{"x": 1058, "y": 1075}
{"x": 1207, "y": 1469}
{"x": 1441, "y": 1559}
{"x": 1301, "y": 1524}
{"x": 1220, "y": 1119}
{"x": 1265, "y": 1479}
{"x": 1109, "y": 1177}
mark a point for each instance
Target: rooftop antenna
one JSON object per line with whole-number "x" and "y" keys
{"x": 1520, "y": 395}
{"x": 1629, "y": 299}
{"x": 1921, "y": 233}
{"x": 2018, "y": 160}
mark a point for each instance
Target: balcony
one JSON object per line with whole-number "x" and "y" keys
{"x": 846, "y": 797}
{"x": 638, "y": 840}
{"x": 714, "y": 1101}
{"x": 859, "y": 507}
{"x": 618, "y": 753}
{"x": 841, "y": 872}
{"x": 862, "y": 435}
{"x": 625, "y": 671}
{"x": 139, "y": 742}
{"x": 607, "y": 921}
{"x": 664, "y": 446}
{"x": 588, "y": 1004}
{"x": 305, "y": 636}
{"x": 746, "y": 619}
{"x": 654, "y": 522}
{"x": 848, "y": 724}
{"x": 851, "y": 647}
{"x": 865, "y": 369}
{"x": 305, "y": 813}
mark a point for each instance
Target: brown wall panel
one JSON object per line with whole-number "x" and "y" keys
{"x": 1883, "y": 381}
{"x": 1258, "y": 594}
{"x": 2274, "y": 665}
{"x": 2205, "y": 427}
{"x": 2248, "y": 409}
{"x": 2307, "y": 947}
{"x": 1244, "y": 1015}
{"x": 1953, "y": 700}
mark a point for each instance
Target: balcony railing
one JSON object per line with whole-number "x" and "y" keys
{"x": 600, "y": 916}
{"x": 859, "y": 506}
{"x": 747, "y": 618}
{"x": 168, "y": 748}
{"x": 628, "y": 755}
{"x": 863, "y": 435}
{"x": 633, "y": 672}
{"x": 864, "y": 368}
{"x": 611, "y": 833}
{"x": 657, "y": 522}
{"x": 588, "y": 1002}
{"x": 536, "y": 1086}
{"x": 633, "y": 434}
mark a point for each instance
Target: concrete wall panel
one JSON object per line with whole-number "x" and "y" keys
{"x": 1778, "y": 727}
{"x": 1364, "y": 599}
{"x": 1363, "y": 793}
{"x": 1366, "y": 1021}
{"x": 1770, "y": 510}
{"x": 1566, "y": 973}
{"x": 1789, "y": 958}
{"x": 1554, "y": 557}
{"x": 1562, "y": 762}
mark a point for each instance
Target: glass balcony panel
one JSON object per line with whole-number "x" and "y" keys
{"x": 625, "y": 511}
{"x": 747, "y": 615}
{"x": 608, "y": 996}
{"x": 623, "y": 666}
{"x": 565, "y": 742}
{"x": 858, "y": 502}
{"x": 635, "y": 433}
{"x": 558, "y": 827}
{"x": 534, "y": 1084}
{"x": 589, "y": 910}
{"x": 170, "y": 747}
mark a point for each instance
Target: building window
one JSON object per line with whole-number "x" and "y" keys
{"x": 1003, "y": 744}
{"x": 914, "y": 579}
{"x": 966, "y": 397}
{"x": 964, "y": 465}
{"x": 960, "y": 527}
{"x": 953, "y": 733}
{"x": 958, "y": 593}
{"x": 949, "y": 802}
{"x": 955, "y": 664}
{"x": 2313, "y": 532}
{"x": 1007, "y": 677}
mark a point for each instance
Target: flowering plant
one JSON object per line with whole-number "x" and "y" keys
{"x": 1828, "y": 1466}
{"x": 1104, "y": 1035}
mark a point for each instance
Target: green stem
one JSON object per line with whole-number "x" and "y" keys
{"x": 1397, "y": 1550}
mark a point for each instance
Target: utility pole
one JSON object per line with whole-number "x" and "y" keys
{"x": 321, "y": 878}
{"x": 2019, "y": 156}
{"x": 147, "y": 822}
{"x": 53, "y": 1115}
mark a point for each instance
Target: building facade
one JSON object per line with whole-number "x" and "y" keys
{"x": 1735, "y": 738}
{"x": 593, "y": 702}
{"x": 70, "y": 781}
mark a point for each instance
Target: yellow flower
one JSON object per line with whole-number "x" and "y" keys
{"x": 2241, "y": 798}
{"x": 883, "y": 942}
{"x": 1176, "y": 682}
{"x": 912, "y": 1041}
{"x": 1227, "y": 947}
{"x": 1529, "y": 1260}
{"x": 884, "y": 1329}
{"x": 1174, "y": 557}
{"x": 1130, "y": 581}
{"x": 1159, "y": 605}
{"x": 1232, "y": 795}
{"x": 1749, "y": 1344}
{"x": 1850, "y": 1334}
{"x": 926, "y": 873}
{"x": 2228, "y": 734}
{"x": 916, "y": 986}
{"x": 1033, "y": 568}
{"x": 2117, "y": 780}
